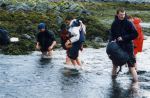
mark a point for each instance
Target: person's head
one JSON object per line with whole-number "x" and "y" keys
{"x": 68, "y": 19}
{"x": 42, "y": 27}
{"x": 63, "y": 26}
{"x": 121, "y": 14}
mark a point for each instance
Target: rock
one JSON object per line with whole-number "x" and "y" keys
{"x": 73, "y": 6}
{"x": 3, "y": 5}
{"x": 98, "y": 39}
{"x": 26, "y": 36}
{"x": 23, "y": 6}
{"x": 41, "y": 7}
{"x": 59, "y": 20}
{"x": 18, "y": 7}
{"x": 70, "y": 7}
{"x": 86, "y": 12}
{"x": 10, "y": 8}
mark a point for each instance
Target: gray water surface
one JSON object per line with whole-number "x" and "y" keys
{"x": 29, "y": 76}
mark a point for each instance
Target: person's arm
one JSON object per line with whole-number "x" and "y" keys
{"x": 54, "y": 41}
{"x": 37, "y": 43}
{"x": 112, "y": 33}
{"x": 75, "y": 33}
{"x": 52, "y": 46}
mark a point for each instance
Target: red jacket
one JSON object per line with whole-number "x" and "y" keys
{"x": 138, "y": 42}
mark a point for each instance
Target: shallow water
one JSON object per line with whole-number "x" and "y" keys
{"x": 29, "y": 76}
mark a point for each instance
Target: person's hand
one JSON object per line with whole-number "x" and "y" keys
{"x": 119, "y": 39}
{"x": 68, "y": 44}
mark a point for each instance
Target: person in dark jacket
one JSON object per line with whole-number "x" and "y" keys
{"x": 123, "y": 32}
{"x": 74, "y": 40}
{"x": 4, "y": 38}
{"x": 45, "y": 40}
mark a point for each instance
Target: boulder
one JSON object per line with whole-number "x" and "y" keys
{"x": 98, "y": 39}
{"x": 26, "y": 36}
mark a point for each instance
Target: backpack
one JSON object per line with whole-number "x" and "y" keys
{"x": 82, "y": 35}
{"x": 81, "y": 31}
{"x": 118, "y": 56}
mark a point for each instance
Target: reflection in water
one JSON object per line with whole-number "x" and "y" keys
{"x": 134, "y": 90}
{"x": 70, "y": 86}
{"x": 31, "y": 77}
{"x": 117, "y": 91}
{"x": 70, "y": 72}
{"x": 44, "y": 61}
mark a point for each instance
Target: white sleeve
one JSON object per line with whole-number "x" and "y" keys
{"x": 75, "y": 33}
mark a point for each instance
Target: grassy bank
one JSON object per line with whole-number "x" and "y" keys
{"x": 97, "y": 17}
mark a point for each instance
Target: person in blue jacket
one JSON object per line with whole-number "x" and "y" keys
{"x": 123, "y": 32}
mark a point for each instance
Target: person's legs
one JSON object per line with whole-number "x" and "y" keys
{"x": 114, "y": 71}
{"x": 68, "y": 60}
{"x": 132, "y": 69}
{"x": 73, "y": 62}
{"x": 131, "y": 64}
{"x": 135, "y": 64}
{"x": 78, "y": 62}
{"x": 81, "y": 49}
{"x": 134, "y": 74}
{"x": 73, "y": 54}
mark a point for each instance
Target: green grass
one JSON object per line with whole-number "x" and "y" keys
{"x": 98, "y": 22}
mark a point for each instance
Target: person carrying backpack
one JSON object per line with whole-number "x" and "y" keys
{"x": 45, "y": 40}
{"x": 75, "y": 40}
{"x": 123, "y": 32}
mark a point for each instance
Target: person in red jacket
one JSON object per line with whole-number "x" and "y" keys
{"x": 138, "y": 42}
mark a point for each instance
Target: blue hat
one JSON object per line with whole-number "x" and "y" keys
{"x": 41, "y": 26}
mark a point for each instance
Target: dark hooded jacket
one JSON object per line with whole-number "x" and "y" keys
{"x": 126, "y": 30}
{"x": 46, "y": 38}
